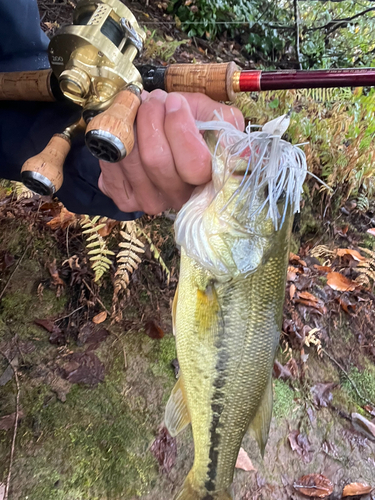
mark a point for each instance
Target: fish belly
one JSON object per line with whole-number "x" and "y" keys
{"x": 226, "y": 334}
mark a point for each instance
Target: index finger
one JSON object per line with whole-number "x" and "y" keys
{"x": 203, "y": 109}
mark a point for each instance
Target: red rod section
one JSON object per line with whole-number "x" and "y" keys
{"x": 254, "y": 80}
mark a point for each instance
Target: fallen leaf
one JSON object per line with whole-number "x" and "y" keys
{"x": 353, "y": 253}
{"x": 300, "y": 444}
{"x": 371, "y": 231}
{"x": 56, "y": 280}
{"x": 363, "y": 425}
{"x": 295, "y": 258}
{"x": 310, "y": 303}
{"x": 84, "y": 368}
{"x": 7, "y": 422}
{"x": 308, "y": 296}
{"x": 88, "y": 334}
{"x": 370, "y": 409}
{"x": 57, "y": 335}
{"x": 63, "y": 220}
{"x": 322, "y": 393}
{"x": 6, "y": 260}
{"x": 99, "y": 318}
{"x": 244, "y": 462}
{"x": 292, "y": 291}
{"x": 345, "y": 303}
{"x": 338, "y": 281}
{"x": 354, "y": 489}
{"x": 323, "y": 269}
{"x": 107, "y": 229}
{"x": 280, "y": 371}
{"x": 153, "y": 330}
{"x": 164, "y": 449}
{"x": 314, "y": 485}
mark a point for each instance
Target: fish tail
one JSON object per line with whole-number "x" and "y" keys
{"x": 190, "y": 492}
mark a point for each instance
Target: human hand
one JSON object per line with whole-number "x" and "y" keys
{"x": 170, "y": 156}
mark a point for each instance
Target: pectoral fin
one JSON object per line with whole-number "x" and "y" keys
{"x": 176, "y": 413}
{"x": 260, "y": 425}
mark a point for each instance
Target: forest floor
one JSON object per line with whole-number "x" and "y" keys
{"x": 86, "y": 396}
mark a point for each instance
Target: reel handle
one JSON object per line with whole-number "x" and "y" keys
{"x": 110, "y": 135}
{"x": 43, "y": 173}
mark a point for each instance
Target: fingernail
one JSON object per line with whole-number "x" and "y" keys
{"x": 173, "y": 103}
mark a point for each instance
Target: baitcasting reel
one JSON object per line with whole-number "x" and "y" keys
{"x": 93, "y": 63}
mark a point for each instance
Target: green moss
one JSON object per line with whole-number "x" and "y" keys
{"x": 283, "y": 399}
{"x": 92, "y": 446}
{"x": 364, "y": 381}
{"x": 162, "y": 355}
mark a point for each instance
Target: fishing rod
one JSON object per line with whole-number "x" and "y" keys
{"x": 92, "y": 65}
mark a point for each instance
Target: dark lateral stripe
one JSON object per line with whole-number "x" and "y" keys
{"x": 217, "y": 409}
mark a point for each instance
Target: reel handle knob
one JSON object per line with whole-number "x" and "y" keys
{"x": 43, "y": 173}
{"x": 110, "y": 135}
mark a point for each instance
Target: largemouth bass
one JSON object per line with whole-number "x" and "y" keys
{"x": 234, "y": 235}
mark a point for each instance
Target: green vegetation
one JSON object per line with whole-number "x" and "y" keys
{"x": 283, "y": 400}
{"x": 364, "y": 381}
{"x": 336, "y": 33}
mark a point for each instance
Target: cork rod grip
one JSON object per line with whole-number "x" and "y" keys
{"x": 110, "y": 135}
{"x": 46, "y": 168}
{"x": 26, "y": 86}
{"x": 214, "y": 80}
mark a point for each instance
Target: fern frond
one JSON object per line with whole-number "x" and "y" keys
{"x": 21, "y": 191}
{"x": 128, "y": 259}
{"x": 98, "y": 252}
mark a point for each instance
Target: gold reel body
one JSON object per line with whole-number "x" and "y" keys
{"x": 93, "y": 62}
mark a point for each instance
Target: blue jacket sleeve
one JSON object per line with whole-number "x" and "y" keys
{"x": 27, "y": 127}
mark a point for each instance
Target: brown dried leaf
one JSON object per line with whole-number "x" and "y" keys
{"x": 99, "y": 318}
{"x": 57, "y": 335}
{"x": 345, "y": 303}
{"x": 354, "y": 489}
{"x": 84, "y": 368}
{"x": 314, "y": 485}
{"x": 56, "y": 280}
{"x": 308, "y": 296}
{"x": 164, "y": 449}
{"x": 300, "y": 444}
{"x": 6, "y": 260}
{"x": 309, "y": 303}
{"x": 370, "y": 409}
{"x": 323, "y": 269}
{"x": 338, "y": 281}
{"x": 280, "y": 371}
{"x": 353, "y": 253}
{"x": 7, "y": 422}
{"x": 107, "y": 229}
{"x": 63, "y": 220}
{"x": 153, "y": 330}
{"x": 292, "y": 291}
{"x": 244, "y": 462}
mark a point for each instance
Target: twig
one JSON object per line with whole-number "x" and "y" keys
{"x": 96, "y": 297}
{"x": 14, "y": 270}
{"x": 70, "y": 314}
{"x": 348, "y": 377}
{"x": 297, "y": 23}
{"x": 7, "y": 484}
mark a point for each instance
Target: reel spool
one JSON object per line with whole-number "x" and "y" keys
{"x": 93, "y": 63}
